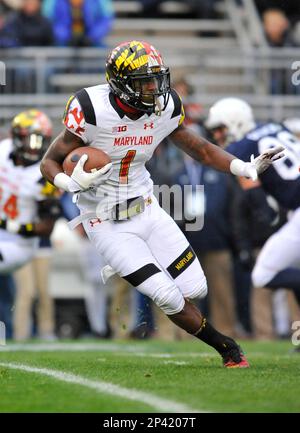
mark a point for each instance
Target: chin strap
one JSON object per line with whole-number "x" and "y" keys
{"x": 128, "y": 109}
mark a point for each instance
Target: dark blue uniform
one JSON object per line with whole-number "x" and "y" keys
{"x": 282, "y": 179}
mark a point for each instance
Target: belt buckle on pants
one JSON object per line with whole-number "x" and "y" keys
{"x": 128, "y": 209}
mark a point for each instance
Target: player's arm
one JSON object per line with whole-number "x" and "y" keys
{"x": 212, "y": 155}
{"x": 80, "y": 180}
{"x": 64, "y": 143}
{"x": 41, "y": 228}
{"x": 75, "y": 135}
{"x": 29, "y": 230}
{"x": 200, "y": 149}
{"x": 49, "y": 210}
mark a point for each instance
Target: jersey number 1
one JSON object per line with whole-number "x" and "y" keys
{"x": 125, "y": 165}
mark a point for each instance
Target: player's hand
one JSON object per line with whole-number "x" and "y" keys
{"x": 263, "y": 161}
{"x": 87, "y": 180}
{"x": 259, "y": 164}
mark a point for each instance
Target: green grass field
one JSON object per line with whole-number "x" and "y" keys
{"x": 148, "y": 376}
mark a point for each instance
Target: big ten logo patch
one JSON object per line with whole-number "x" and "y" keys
{"x": 122, "y": 128}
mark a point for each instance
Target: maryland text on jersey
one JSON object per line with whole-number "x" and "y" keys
{"x": 94, "y": 115}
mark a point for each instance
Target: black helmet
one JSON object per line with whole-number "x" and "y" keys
{"x": 137, "y": 75}
{"x": 31, "y": 133}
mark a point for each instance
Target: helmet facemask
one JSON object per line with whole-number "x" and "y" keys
{"x": 150, "y": 92}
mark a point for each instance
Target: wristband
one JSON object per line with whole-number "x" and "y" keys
{"x": 65, "y": 182}
{"x": 238, "y": 167}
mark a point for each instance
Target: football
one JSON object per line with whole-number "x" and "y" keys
{"x": 96, "y": 159}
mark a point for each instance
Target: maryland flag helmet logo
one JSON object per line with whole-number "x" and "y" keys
{"x": 31, "y": 133}
{"x": 137, "y": 75}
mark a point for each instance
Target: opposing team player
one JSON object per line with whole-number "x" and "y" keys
{"x": 278, "y": 263}
{"x": 28, "y": 207}
{"x": 127, "y": 119}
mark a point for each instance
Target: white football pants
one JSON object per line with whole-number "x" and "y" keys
{"x": 153, "y": 255}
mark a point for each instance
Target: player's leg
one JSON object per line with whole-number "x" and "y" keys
{"x": 12, "y": 257}
{"x": 7, "y": 297}
{"x": 26, "y": 286}
{"x": 277, "y": 265}
{"x": 96, "y": 298}
{"x": 122, "y": 247}
{"x": 217, "y": 267}
{"x": 45, "y": 310}
{"x": 173, "y": 252}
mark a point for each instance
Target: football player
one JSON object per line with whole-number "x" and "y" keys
{"x": 277, "y": 265}
{"x": 128, "y": 118}
{"x": 28, "y": 207}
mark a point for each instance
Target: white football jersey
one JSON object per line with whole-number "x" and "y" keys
{"x": 20, "y": 189}
{"x": 94, "y": 116}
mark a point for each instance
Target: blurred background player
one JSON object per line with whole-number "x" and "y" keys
{"x": 276, "y": 265}
{"x": 99, "y": 297}
{"x": 252, "y": 219}
{"x": 28, "y": 210}
{"x": 33, "y": 311}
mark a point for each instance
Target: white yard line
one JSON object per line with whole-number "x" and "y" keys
{"x": 69, "y": 347}
{"x": 175, "y": 355}
{"x": 176, "y": 362}
{"x": 97, "y": 347}
{"x": 152, "y": 400}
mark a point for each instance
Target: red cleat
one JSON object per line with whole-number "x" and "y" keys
{"x": 235, "y": 358}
